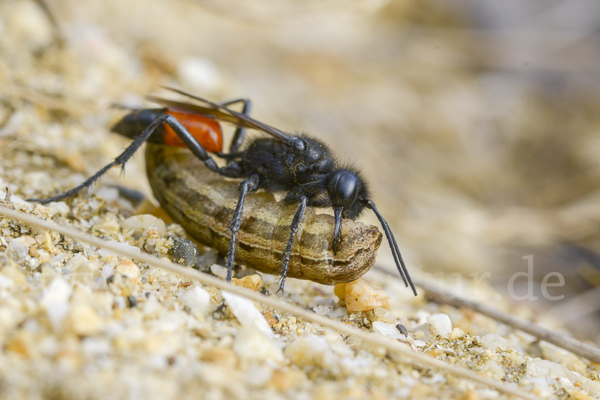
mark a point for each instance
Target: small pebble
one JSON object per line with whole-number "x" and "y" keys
{"x": 83, "y": 320}
{"x": 252, "y": 282}
{"x": 424, "y": 332}
{"x": 470, "y": 395}
{"x": 129, "y": 269}
{"x": 222, "y": 356}
{"x": 184, "y": 251}
{"x": 252, "y": 344}
{"x": 57, "y": 291}
{"x": 308, "y": 351}
{"x": 219, "y": 271}
{"x": 360, "y": 296}
{"x": 456, "y": 333}
{"x": 18, "y": 249}
{"x": 144, "y": 222}
{"x": 131, "y": 301}
{"x": 196, "y": 299}
{"x": 493, "y": 341}
{"x": 286, "y": 379}
{"x": 246, "y": 313}
{"x": 388, "y": 330}
{"x": 440, "y": 324}
{"x": 402, "y": 329}
{"x": 58, "y": 208}
{"x": 14, "y": 274}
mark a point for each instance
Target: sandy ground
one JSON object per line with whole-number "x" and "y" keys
{"x": 476, "y": 159}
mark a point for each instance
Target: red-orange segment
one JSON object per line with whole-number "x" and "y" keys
{"x": 206, "y": 130}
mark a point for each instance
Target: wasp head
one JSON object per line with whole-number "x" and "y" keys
{"x": 347, "y": 192}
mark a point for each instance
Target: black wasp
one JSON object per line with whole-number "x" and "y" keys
{"x": 299, "y": 165}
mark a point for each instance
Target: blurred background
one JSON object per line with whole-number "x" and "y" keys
{"x": 476, "y": 122}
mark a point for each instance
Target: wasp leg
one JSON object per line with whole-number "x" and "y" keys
{"x": 240, "y": 133}
{"x": 285, "y": 263}
{"x": 337, "y": 231}
{"x": 394, "y": 247}
{"x": 120, "y": 160}
{"x": 246, "y": 186}
{"x": 190, "y": 141}
{"x": 89, "y": 182}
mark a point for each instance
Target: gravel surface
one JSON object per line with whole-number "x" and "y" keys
{"x": 79, "y": 322}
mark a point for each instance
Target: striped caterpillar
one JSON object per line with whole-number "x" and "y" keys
{"x": 204, "y": 202}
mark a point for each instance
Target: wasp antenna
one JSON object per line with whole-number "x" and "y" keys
{"x": 394, "y": 247}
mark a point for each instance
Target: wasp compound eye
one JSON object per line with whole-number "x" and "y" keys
{"x": 342, "y": 188}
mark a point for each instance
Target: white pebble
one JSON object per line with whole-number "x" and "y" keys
{"x": 424, "y": 332}
{"x": 58, "y": 208}
{"x": 196, "y": 299}
{"x": 388, "y": 330}
{"x": 80, "y": 263}
{"x": 173, "y": 321}
{"x": 57, "y": 312}
{"x": 543, "y": 368}
{"x": 308, "y": 351}
{"x": 55, "y": 301}
{"x": 493, "y": 341}
{"x": 322, "y": 310}
{"x": 152, "y": 307}
{"x": 107, "y": 271}
{"x": 259, "y": 376}
{"x": 540, "y": 383}
{"x": 18, "y": 250}
{"x": 252, "y": 344}
{"x": 493, "y": 370}
{"x": 108, "y": 193}
{"x": 142, "y": 223}
{"x": 246, "y": 313}
{"x": 218, "y": 271}
{"x": 5, "y": 282}
{"x": 441, "y": 324}
{"x": 565, "y": 383}
{"x": 58, "y": 291}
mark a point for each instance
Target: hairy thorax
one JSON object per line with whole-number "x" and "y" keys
{"x": 282, "y": 167}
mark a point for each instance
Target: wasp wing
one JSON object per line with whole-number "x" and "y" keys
{"x": 223, "y": 113}
{"x": 196, "y": 109}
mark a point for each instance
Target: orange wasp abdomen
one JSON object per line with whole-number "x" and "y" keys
{"x": 206, "y": 130}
